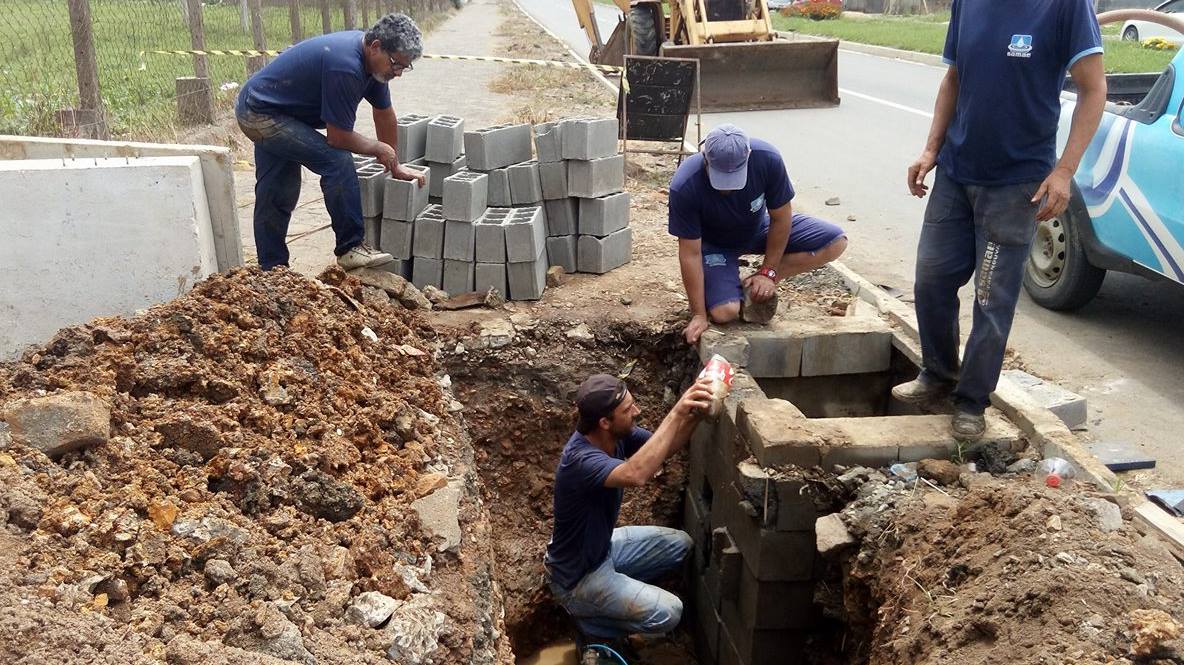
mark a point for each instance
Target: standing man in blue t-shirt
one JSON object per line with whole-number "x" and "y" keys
{"x": 733, "y": 198}
{"x": 317, "y": 84}
{"x": 603, "y": 575}
{"x": 993, "y": 141}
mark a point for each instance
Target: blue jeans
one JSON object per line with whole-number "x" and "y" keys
{"x": 980, "y": 231}
{"x": 282, "y": 146}
{"x": 615, "y": 598}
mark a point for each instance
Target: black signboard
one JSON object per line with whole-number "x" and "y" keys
{"x": 655, "y": 97}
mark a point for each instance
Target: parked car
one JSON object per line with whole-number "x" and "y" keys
{"x": 1138, "y": 31}
{"x": 1126, "y": 212}
{"x": 778, "y": 5}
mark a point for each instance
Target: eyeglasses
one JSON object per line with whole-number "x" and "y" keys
{"x": 398, "y": 67}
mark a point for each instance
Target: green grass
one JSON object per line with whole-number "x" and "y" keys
{"x": 37, "y": 63}
{"x": 926, "y": 34}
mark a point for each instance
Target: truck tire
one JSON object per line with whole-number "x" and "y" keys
{"x": 644, "y": 29}
{"x": 1058, "y": 274}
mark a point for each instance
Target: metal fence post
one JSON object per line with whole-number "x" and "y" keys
{"x": 294, "y": 19}
{"x": 86, "y": 67}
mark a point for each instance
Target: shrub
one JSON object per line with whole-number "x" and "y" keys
{"x": 1159, "y": 44}
{"x": 817, "y": 10}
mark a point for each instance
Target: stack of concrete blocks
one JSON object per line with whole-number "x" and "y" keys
{"x": 444, "y": 151}
{"x": 427, "y": 247}
{"x": 511, "y": 252}
{"x": 583, "y": 181}
{"x": 390, "y": 204}
{"x": 464, "y": 203}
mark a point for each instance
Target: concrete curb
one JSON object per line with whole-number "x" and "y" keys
{"x": 871, "y": 49}
{"x": 1042, "y": 427}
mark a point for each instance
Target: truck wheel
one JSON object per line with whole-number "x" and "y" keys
{"x": 1058, "y": 274}
{"x": 645, "y": 31}
{"x": 1131, "y": 34}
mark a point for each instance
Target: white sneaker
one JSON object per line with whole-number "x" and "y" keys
{"x": 363, "y": 256}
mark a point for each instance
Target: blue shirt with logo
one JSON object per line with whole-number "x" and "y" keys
{"x": 1011, "y": 57}
{"x": 728, "y": 220}
{"x": 320, "y": 80}
{"x": 585, "y": 510}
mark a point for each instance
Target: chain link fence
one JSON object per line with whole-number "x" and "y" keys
{"x": 84, "y": 67}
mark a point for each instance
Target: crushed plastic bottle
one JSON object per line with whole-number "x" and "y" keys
{"x": 1055, "y": 472}
{"x": 906, "y": 472}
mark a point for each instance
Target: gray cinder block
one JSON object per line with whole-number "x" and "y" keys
{"x": 465, "y": 195}
{"x": 497, "y": 146}
{"x": 553, "y": 178}
{"x": 527, "y": 279}
{"x": 411, "y": 135}
{"x": 499, "y": 189}
{"x": 491, "y": 236}
{"x": 395, "y": 238}
{"x": 425, "y": 271}
{"x": 562, "y": 216}
{"x": 458, "y": 240}
{"x": 588, "y": 138}
{"x": 600, "y": 255}
{"x": 525, "y": 187}
{"x": 362, "y": 160}
{"x": 526, "y": 234}
{"x": 405, "y": 199}
{"x": 371, "y": 182}
{"x": 490, "y": 276}
{"x": 428, "y": 234}
{"x": 442, "y": 170}
{"x": 446, "y": 138}
{"x": 400, "y": 267}
{"x": 458, "y": 276}
{"x": 604, "y": 215}
{"x": 595, "y": 178}
{"x": 561, "y": 251}
{"x": 372, "y": 227}
{"x": 548, "y": 142}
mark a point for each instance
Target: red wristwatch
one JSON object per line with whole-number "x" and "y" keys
{"x": 768, "y": 272}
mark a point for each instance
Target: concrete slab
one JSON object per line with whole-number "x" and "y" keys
{"x": 1067, "y": 405}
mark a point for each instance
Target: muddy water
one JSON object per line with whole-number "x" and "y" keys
{"x": 559, "y": 653}
{"x": 659, "y": 653}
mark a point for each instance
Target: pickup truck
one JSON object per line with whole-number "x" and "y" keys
{"x": 1127, "y": 207}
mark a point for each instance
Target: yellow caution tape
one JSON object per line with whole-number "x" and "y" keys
{"x": 429, "y": 56}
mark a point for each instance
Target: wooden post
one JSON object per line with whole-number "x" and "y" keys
{"x": 326, "y": 17}
{"x": 255, "y": 63}
{"x": 350, "y": 9}
{"x": 294, "y": 19}
{"x": 197, "y": 38}
{"x": 86, "y": 67}
{"x": 366, "y": 23}
{"x": 244, "y": 17}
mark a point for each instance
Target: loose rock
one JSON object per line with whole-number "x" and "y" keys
{"x": 371, "y": 609}
{"x": 59, "y": 423}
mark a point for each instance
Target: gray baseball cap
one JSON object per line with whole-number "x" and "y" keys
{"x": 726, "y": 149}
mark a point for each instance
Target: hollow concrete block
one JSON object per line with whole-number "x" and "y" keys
{"x": 372, "y": 183}
{"x": 777, "y": 433}
{"x": 497, "y": 146}
{"x": 731, "y": 346}
{"x": 458, "y": 276}
{"x": 425, "y": 271}
{"x": 604, "y": 215}
{"x": 527, "y": 279}
{"x": 561, "y": 251}
{"x": 442, "y": 170}
{"x": 372, "y": 230}
{"x": 548, "y": 142}
{"x": 553, "y": 178}
{"x": 404, "y": 199}
{"x": 395, "y": 238}
{"x": 412, "y": 136}
{"x": 400, "y": 267}
{"x": 594, "y": 178}
{"x": 526, "y": 235}
{"x": 769, "y": 555}
{"x": 774, "y": 353}
{"x": 445, "y": 139}
{"x": 459, "y": 240}
{"x": 600, "y": 255}
{"x": 847, "y": 352}
{"x": 490, "y": 275}
{"x": 428, "y": 233}
{"x": 465, "y": 195}
{"x": 562, "y": 216}
{"x": 525, "y": 186}
{"x": 588, "y": 138}
{"x": 490, "y": 236}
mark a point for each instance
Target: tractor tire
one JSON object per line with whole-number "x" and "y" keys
{"x": 1058, "y": 274}
{"x": 644, "y": 30}
{"x": 1131, "y": 34}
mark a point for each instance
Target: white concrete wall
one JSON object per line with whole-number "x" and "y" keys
{"x": 216, "y": 166}
{"x": 82, "y": 238}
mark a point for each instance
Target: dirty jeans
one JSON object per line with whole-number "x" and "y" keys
{"x": 615, "y": 599}
{"x": 984, "y": 231}
{"x": 282, "y": 145}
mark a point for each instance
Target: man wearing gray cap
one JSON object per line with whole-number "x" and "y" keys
{"x": 733, "y": 198}
{"x": 603, "y": 576}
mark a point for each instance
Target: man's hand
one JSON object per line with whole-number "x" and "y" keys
{"x": 387, "y": 156}
{"x": 695, "y": 328}
{"x": 696, "y": 400}
{"x": 918, "y": 171}
{"x": 1056, "y": 188}
{"x": 401, "y": 173}
{"x": 761, "y": 287}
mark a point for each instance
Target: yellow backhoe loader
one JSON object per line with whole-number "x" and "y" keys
{"x": 743, "y": 66}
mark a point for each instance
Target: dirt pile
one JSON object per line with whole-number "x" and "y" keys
{"x": 1000, "y": 570}
{"x": 268, "y": 436}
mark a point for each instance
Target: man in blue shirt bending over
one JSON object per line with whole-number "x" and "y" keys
{"x": 317, "y": 84}
{"x": 993, "y": 142}
{"x": 603, "y": 575}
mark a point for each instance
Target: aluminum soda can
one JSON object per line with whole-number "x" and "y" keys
{"x": 720, "y": 371}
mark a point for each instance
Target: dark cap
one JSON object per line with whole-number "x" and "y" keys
{"x": 598, "y": 396}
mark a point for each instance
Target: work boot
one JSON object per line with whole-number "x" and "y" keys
{"x": 758, "y": 312}
{"x": 968, "y": 427}
{"x": 918, "y": 391}
{"x": 363, "y": 256}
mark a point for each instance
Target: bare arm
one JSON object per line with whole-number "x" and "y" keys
{"x": 348, "y": 139}
{"x": 780, "y": 226}
{"x": 943, "y": 114}
{"x": 671, "y": 435}
{"x": 1090, "y": 77}
{"x": 690, "y": 264}
{"x": 386, "y": 126}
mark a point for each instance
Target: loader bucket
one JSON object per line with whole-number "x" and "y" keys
{"x": 758, "y": 76}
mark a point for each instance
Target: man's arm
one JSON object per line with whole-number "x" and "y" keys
{"x": 780, "y": 226}
{"x": 1090, "y": 78}
{"x": 943, "y": 114}
{"x": 671, "y": 435}
{"x": 348, "y": 139}
{"x": 690, "y": 263}
{"x": 386, "y": 126}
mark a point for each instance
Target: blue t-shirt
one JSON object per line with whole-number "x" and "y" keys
{"x": 1011, "y": 57}
{"x": 320, "y": 80}
{"x": 728, "y": 220}
{"x": 585, "y": 510}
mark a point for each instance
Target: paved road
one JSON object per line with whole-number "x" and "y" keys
{"x": 1124, "y": 351}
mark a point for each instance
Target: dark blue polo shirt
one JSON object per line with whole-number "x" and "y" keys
{"x": 585, "y": 510}
{"x": 1011, "y": 57}
{"x": 320, "y": 80}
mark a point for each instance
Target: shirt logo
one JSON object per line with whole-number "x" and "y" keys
{"x": 1020, "y": 47}
{"x": 757, "y": 203}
